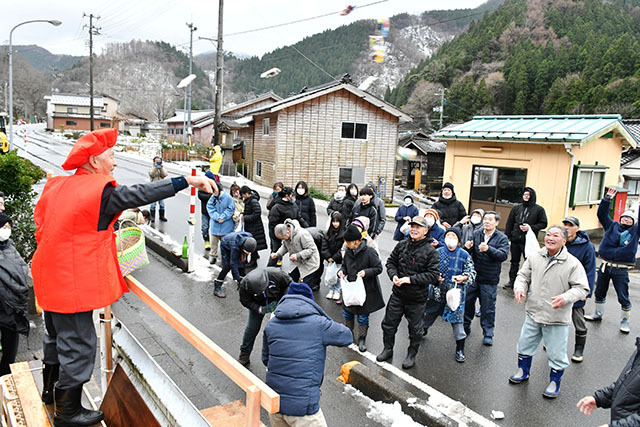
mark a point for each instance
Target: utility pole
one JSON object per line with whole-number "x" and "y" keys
{"x": 219, "y": 64}
{"x": 191, "y": 30}
{"x": 92, "y": 31}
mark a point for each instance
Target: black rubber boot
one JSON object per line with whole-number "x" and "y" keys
{"x": 350, "y": 323}
{"x": 244, "y": 358}
{"x": 581, "y": 340}
{"x": 162, "y": 217}
{"x": 410, "y": 360}
{"x": 362, "y": 337}
{"x": 387, "y": 351}
{"x": 152, "y": 215}
{"x": 50, "y": 375}
{"x": 460, "y": 357}
{"x": 69, "y": 411}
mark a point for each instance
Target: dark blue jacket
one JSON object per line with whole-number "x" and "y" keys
{"x": 610, "y": 249}
{"x": 231, "y": 249}
{"x": 403, "y": 211}
{"x": 436, "y": 232}
{"x": 489, "y": 264}
{"x": 583, "y": 249}
{"x": 294, "y": 351}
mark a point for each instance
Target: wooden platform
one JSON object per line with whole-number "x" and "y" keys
{"x": 232, "y": 414}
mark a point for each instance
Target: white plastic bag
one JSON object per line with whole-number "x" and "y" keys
{"x": 404, "y": 228}
{"x": 454, "y": 296}
{"x": 353, "y": 293}
{"x": 331, "y": 274}
{"x": 531, "y": 245}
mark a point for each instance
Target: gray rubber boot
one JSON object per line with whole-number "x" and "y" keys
{"x": 625, "y": 328}
{"x": 597, "y": 315}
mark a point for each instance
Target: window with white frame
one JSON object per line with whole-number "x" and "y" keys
{"x": 589, "y": 185}
{"x": 633, "y": 185}
{"x": 265, "y": 126}
{"x": 72, "y": 110}
{"x": 352, "y": 130}
{"x": 258, "y": 169}
{"x": 351, "y": 174}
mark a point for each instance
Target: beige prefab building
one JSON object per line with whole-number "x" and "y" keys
{"x": 568, "y": 160}
{"x": 327, "y": 135}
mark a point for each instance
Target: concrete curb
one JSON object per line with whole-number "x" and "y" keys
{"x": 429, "y": 409}
{"x": 165, "y": 252}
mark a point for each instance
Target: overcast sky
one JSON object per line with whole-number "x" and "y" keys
{"x": 124, "y": 20}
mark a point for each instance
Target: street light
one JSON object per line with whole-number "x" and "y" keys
{"x": 54, "y": 22}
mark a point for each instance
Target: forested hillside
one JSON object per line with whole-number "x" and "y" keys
{"x": 534, "y": 57}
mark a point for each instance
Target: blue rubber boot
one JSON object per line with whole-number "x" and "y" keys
{"x": 524, "y": 366}
{"x": 552, "y": 390}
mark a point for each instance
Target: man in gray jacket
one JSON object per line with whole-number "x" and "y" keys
{"x": 551, "y": 280}
{"x": 304, "y": 258}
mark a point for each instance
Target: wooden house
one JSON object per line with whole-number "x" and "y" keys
{"x": 328, "y": 135}
{"x": 72, "y": 112}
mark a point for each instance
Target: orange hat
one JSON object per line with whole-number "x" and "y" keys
{"x": 432, "y": 212}
{"x": 91, "y": 144}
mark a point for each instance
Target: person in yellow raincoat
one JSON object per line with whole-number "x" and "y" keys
{"x": 4, "y": 143}
{"x": 216, "y": 162}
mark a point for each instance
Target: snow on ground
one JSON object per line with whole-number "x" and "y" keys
{"x": 387, "y": 414}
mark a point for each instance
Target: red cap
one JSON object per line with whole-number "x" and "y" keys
{"x": 91, "y": 144}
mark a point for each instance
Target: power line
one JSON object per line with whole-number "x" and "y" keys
{"x": 316, "y": 65}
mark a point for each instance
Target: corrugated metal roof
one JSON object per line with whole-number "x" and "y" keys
{"x": 633, "y": 126}
{"x": 79, "y": 100}
{"x": 537, "y": 129}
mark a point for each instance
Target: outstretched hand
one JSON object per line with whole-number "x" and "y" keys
{"x": 202, "y": 183}
{"x": 611, "y": 193}
{"x": 587, "y": 404}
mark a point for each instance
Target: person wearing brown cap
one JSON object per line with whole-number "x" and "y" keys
{"x": 75, "y": 267}
{"x": 412, "y": 266}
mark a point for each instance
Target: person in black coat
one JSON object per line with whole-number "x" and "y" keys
{"x": 260, "y": 291}
{"x": 252, "y": 217}
{"x": 332, "y": 248}
{"x": 621, "y": 396}
{"x": 283, "y": 208}
{"x": 277, "y": 188}
{"x": 451, "y": 210}
{"x": 337, "y": 202}
{"x": 350, "y": 200}
{"x": 412, "y": 266}
{"x": 366, "y": 208}
{"x": 362, "y": 261}
{"x": 523, "y": 216}
{"x": 306, "y": 204}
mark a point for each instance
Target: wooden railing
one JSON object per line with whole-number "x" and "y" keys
{"x": 258, "y": 393}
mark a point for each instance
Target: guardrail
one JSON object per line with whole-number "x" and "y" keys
{"x": 258, "y": 393}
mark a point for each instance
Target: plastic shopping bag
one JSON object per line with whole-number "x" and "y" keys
{"x": 404, "y": 228}
{"x": 454, "y": 295}
{"x": 531, "y": 245}
{"x": 353, "y": 293}
{"x": 331, "y": 274}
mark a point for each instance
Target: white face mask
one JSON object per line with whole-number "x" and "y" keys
{"x": 430, "y": 221}
{"x": 475, "y": 220}
{"x": 446, "y": 197}
{"x": 300, "y": 191}
{"x": 5, "y": 233}
{"x": 353, "y": 192}
{"x": 450, "y": 242}
{"x": 407, "y": 202}
{"x": 340, "y": 195}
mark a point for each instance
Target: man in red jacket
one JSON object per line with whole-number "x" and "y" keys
{"x": 75, "y": 267}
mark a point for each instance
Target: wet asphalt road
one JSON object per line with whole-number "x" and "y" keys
{"x": 481, "y": 382}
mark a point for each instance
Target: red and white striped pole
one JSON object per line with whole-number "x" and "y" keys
{"x": 25, "y": 138}
{"x": 192, "y": 224}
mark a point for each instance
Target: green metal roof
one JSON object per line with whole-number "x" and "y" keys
{"x": 537, "y": 129}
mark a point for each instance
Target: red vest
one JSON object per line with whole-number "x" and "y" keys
{"x": 75, "y": 267}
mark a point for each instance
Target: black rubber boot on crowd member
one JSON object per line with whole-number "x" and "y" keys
{"x": 350, "y": 323}
{"x": 410, "y": 360}
{"x": 152, "y": 215}
{"x": 362, "y": 337}
{"x": 162, "y": 217}
{"x": 460, "y": 357}
{"x": 387, "y": 351}
{"x": 50, "y": 375}
{"x": 217, "y": 289}
{"x": 244, "y": 358}
{"x": 69, "y": 411}
{"x": 581, "y": 340}
{"x": 508, "y": 285}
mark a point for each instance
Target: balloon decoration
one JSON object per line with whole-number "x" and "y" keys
{"x": 347, "y": 10}
{"x": 270, "y": 73}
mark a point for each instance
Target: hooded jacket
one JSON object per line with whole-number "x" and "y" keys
{"x": 622, "y": 395}
{"x": 583, "y": 250}
{"x": 451, "y": 210}
{"x": 221, "y": 207}
{"x": 253, "y": 220}
{"x": 216, "y": 160}
{"x": 525, "y": 213}
{"x": 262, "y": 286}
{"x": 294, "y": 352}
{"x": 420, "y": 262}
{"x": 301, "y": 244}
{"x": 610, "y": 248}
{"x": 404, "y": 211}
{"x": 13, "y": 289}
{"x": 369, "y": 211}
{"x": 231, "y": 251}
{"x": 542, "y": 279}
{"x": 381, "y": 218}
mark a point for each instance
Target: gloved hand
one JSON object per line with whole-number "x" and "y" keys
{"x": 270, "y": 308}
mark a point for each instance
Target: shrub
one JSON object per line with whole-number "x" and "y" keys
{"x": 317, "y": 194}
{"x": 17, "y": 178}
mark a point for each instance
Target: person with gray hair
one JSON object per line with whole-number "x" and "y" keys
{"x": 550, "y": 281}
{"x": 304, "y": 257}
